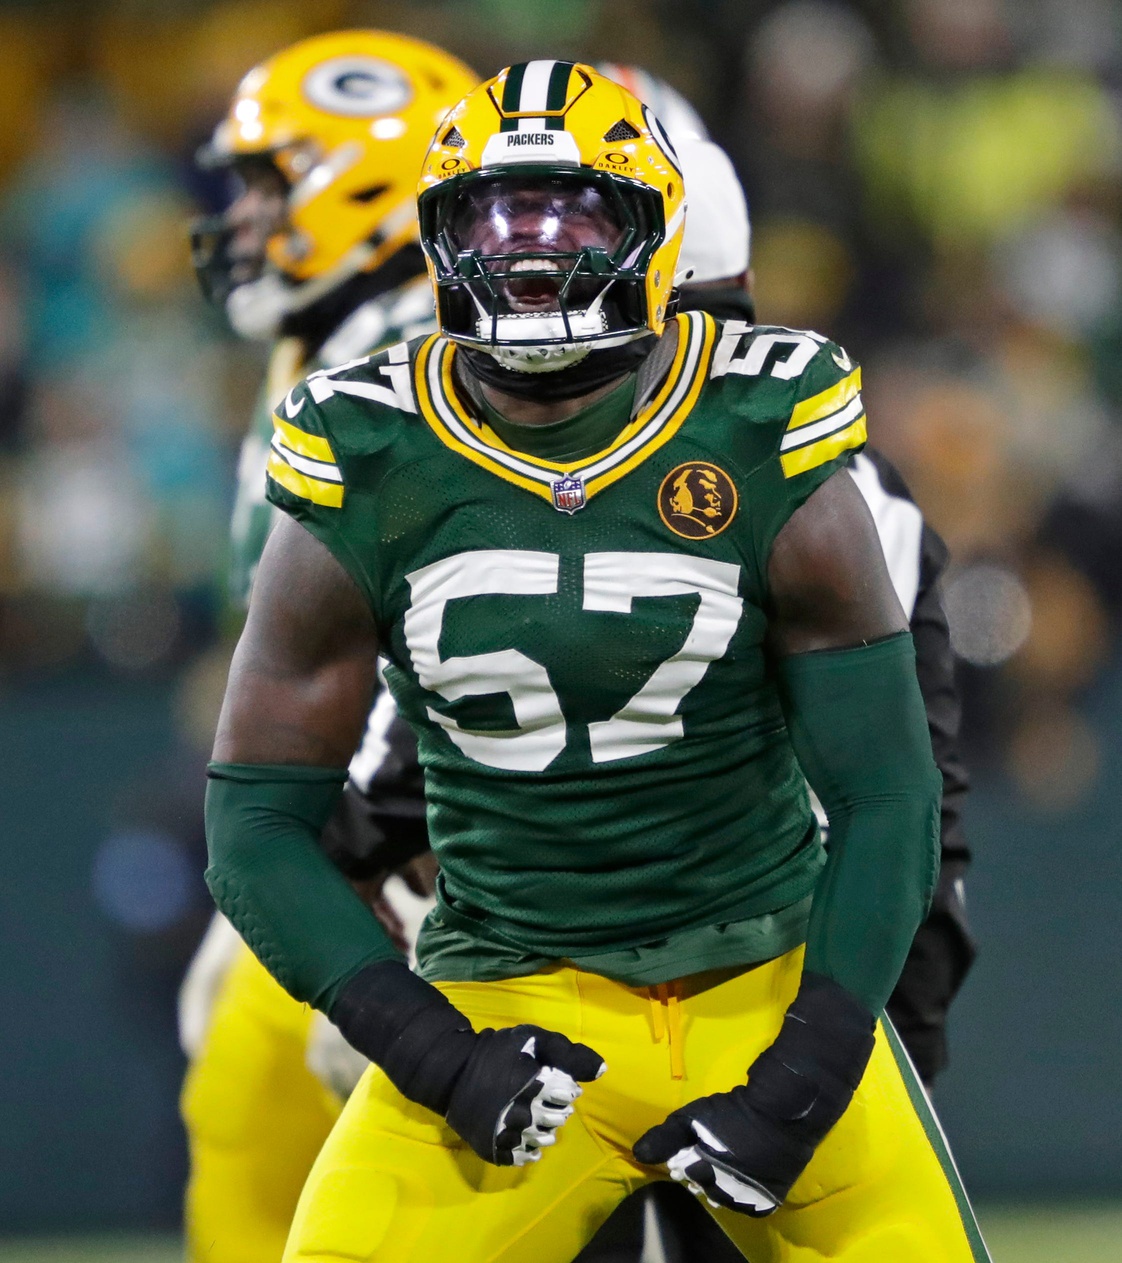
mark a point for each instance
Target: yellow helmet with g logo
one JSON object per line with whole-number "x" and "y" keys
{"x": 551, "y": 208}
{"x": 345, "y": 118}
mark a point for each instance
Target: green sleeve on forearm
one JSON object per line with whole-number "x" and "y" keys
{"x": 859, "y": 729}
{"x": 267, "y": 873}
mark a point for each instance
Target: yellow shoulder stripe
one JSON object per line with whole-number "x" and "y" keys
{"x": 314, "y": 446}
{"x": 815, "y": 454}
{"x": 313, "y": 489}
{"x": 831, "y": 400}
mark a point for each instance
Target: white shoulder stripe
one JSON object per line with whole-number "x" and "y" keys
{"x": 321, "y": 469}
{"x": 820, "y": 429}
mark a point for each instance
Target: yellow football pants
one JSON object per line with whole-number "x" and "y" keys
{"x": 395, "y": 1183}
{"x": 256, "y": 1117}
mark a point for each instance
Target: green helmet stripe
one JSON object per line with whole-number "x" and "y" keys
{"x": 558, "y": 92}
{"x": 512, "y": 96}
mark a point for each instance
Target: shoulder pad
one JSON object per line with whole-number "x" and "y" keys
{"x": 770, "y": 351}
{"x": 827, "y": 415}
{"x": 805, "y": 385}
{"x": 336, "y": 414}
{"x": 301, "y": 458}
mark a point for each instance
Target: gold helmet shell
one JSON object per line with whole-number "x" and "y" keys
{"x": 556, "y": 120}
{"x": 346, "y": 117}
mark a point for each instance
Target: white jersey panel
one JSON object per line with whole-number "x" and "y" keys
{"x": 899, "y": 524}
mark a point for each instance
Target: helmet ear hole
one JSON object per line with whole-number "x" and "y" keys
{"x": 365, "y": 196}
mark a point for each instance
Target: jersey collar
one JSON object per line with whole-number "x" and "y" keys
{"x": 655, "y": 423}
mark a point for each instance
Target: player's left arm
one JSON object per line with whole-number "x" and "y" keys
{"x": 846, "y": 667}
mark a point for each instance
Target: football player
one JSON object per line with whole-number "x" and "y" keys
{"x": 318, "y": 254}
{"x": 628, "y": 602}
{"x": 715, "y": 258}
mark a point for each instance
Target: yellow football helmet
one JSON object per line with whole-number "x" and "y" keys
{"x": 551, "y": 208}
{"x": 345, "y": 119}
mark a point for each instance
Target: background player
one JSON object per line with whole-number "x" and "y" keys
{"x": 480, "y": 1081}
{"x": 318, "y": 255}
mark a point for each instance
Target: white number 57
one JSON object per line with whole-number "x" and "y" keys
{"x": 648, "y": 721}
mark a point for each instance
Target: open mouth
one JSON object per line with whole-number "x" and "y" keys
{"x": 536, "y": 287}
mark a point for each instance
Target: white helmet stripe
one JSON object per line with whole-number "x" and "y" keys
{"x": 535, "y": 86}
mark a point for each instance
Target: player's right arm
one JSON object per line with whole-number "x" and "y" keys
{"x": 296, "y": 702}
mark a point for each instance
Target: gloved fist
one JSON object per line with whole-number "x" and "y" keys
{"x": 506, "y": 1092}
{"x": 516, "y": 1089}
{"x": 728, "y": 1152}
{"x": 744, "y": 1149}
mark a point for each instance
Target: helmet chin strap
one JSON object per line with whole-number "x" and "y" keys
{"x": 255, "y": 310}
{"x": 594, "y": 369}
{"x": 540, "y": 360}
{"x": 512, "y": 336}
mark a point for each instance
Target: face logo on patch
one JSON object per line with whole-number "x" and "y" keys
{"x": 697, "y": 500}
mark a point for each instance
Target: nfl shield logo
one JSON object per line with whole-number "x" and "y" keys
{"x": 568, "y": 495}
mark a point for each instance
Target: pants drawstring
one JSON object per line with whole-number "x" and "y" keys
{"x": 666, "y": 1020}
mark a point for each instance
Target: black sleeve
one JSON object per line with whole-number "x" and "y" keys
{"x": 935, "y": 667}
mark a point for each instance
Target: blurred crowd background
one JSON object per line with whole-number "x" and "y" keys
{"x": 935, "y": 183}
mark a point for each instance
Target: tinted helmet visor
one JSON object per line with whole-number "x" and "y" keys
{"x": 526, "y": 257}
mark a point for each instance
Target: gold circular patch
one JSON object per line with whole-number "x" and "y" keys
{"x": 697, "y": 500}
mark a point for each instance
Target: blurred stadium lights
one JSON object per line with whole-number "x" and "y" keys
{"x": 144, "y": 880}
{"x": 989, "y": 613}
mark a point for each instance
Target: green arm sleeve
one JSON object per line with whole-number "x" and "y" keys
{"x": 859, "y": 729}
{"x": 267, "y": 873}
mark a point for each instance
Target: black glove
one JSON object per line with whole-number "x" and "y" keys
{"x": 745, "y": 1148}
{"x": 940, "y": 958}
{"x": 504, "y": 1091}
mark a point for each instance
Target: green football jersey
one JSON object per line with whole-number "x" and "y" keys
{"x": 580, "y": 646}
{"x": 402, "y": 313}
